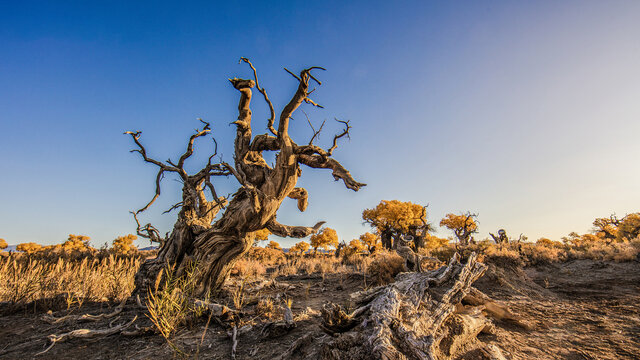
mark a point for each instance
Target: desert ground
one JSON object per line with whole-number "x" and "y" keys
{"x": 579, "y": 308}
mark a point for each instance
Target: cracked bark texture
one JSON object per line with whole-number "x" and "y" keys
{"x": 215, "y": 245}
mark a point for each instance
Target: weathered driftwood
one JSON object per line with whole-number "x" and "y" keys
{"x": 419, "y": 316}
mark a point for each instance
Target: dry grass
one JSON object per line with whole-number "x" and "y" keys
{"x": 24, "y": 279}
{"x": 103, "y": 276}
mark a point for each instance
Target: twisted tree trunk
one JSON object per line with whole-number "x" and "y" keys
{"x": 213, "y": 248}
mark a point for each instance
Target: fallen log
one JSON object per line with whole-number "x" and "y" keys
{"x": 419, "y": 316}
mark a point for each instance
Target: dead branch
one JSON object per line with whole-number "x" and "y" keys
{"x": 292, "y": 231}
{"x": 345, "y": 132}
{"x": 262, "y": 91}
{"x": 339, "y": 172}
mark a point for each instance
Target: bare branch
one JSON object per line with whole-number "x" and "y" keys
{"x": 292, "y": 231}
{"x": 136, "y": 138}
{"x": 345, "y": 132}
{"x": 205, "y": 130}
{"x": 175, "y": 206}
{"x": 315, "y": 133}
{"x": 158, "y": 179}
{"x": 339, "y": 172}
{"x": 151, "y": 232}
{"x": 297, "y": 99}
{"x": 262, "y": 91}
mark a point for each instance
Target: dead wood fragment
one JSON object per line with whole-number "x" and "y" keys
{"x": 85, "y": 334}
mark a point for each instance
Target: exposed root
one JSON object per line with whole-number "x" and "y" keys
{"x": 493, "y": 309}
{"x": 86, "y": 317}
{"x": 85, "y": 334}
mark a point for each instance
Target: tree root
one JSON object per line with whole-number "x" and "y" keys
{"x": 420, "y": 316}
{"x": 86, "y": 317}
{"x": 86, "y": 334}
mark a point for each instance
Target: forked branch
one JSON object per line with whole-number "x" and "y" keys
{"x": 262, "y": 91}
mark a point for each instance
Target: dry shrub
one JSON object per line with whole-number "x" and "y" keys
{"x": 504, "y": 256}
{"x": 266, "y": 256}
{"x": 615, "y": 251}
{"x": 385, "y": 266}
{"x": 248, "y": 268}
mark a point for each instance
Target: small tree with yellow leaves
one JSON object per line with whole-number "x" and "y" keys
{"x": 325, "y": 239}
{"x": 392, "y": 219}
{"x": 274, "y": 245}
{"x": 355, "y": 247}
{"x": 629, "y": 227}
{"x": 29, "y": 248}
{"x": 432, "y": 242}
{"x": 463, "y": 226}
{"x": 299, "y": 248}
{"x": 76, "y": 243}
{"x": 3, "y": 244}
{"x": 123, "y": 245}
{"x": 370, "y": 241}
{"x": 261, "y": 235}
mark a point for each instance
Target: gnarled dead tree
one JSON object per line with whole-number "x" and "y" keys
{"x": 501, "y": 238}
{"x": 215, "y": 246}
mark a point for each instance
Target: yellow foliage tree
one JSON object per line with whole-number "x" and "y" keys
{"x": 629, "y": 227}
{"x": 325, "y": 239}
{"x": 393, "y": 218}
{"x": 261, "y": 235}
{"x": 432, "y": 242}
{"x": 371, "y": 241}
{"x": 3, "y": 244}
{"x": 607, "y": 228}
{"x": 463, "y": 226}
{"x": 29, "y": 248}
{"x": 355, "y": 247}
{"x": 123, "y": 245}
{"x": 299, "y": 248}
{"x": 273, "y": 245}
{"x": 76, "y": 243}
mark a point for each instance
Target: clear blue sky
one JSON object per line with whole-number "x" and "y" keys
{"x": 525, "y": 112}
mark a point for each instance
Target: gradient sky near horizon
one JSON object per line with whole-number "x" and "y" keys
{"x": 524, "y": 112}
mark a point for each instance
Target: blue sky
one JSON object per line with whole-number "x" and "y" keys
{"x": 525, "y": 112}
